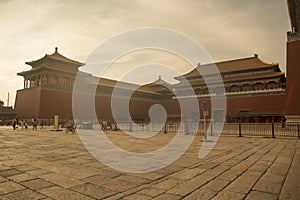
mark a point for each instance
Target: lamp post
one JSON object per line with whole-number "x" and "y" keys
{"x": 205, "y": 114}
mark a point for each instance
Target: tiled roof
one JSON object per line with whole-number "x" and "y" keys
{"x": 248, "y": 77}
{"x": 54, "y": 57}
{"x": 231, "y": 66}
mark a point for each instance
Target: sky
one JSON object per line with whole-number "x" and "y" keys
{"x": 227, "y": 29}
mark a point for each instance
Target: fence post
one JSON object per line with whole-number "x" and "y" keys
{"x": 130, "y": 126}
{"x": 240, "y": 129}
{"x": 211, "y": 129}
{"x": 165, "y": 129}
{"x": 273, "y": 131}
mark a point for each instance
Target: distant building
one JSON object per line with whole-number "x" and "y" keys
{"x": 7, "y": 113}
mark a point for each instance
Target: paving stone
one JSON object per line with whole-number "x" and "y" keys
{"x": 2, "y": 179}
{"x": 167, "y": 184}
{"x": 152, "y": 192}
{"x": 244, "y": 183}
{"x": 111, "y": 184}
{"x": 25, "y": 167}
{"x": 4, "y": 167}
{"x": 230, "y": 175}
{"x": 23, "y": 195}
{"x": 61, "y": 180}
{"x": 37, "y": 184}
{"x": 150, "y": 175}
{"x": 257, "y": 195}
{"x": 190, "y": 185}
{"x": 273, "y": 178}
{"x": 268, "y": 187}
{"x": 137, "y": 196}
{"x": 22, "y": 177}
{"x": 10, "y": 172}
{"x": 242, "y": 166}
{"x": 258, "y": 168}
{"x": 291, "y": 187}
{"x": 216, "y": 185}
{"x": 279, "y": 169}
{"x": 132, "y": 179}
{"x": 201, "y": 194}
{"x": 92, "y": 190}
{"x": 37, "y": 172}
{"x": 60, "y": 193}
{"x": 188, "y": 173}
{"x": 70, "y": 171}
{"x": 14, "y": 162}
{"x": 165, "y": 171}
{"x": 228, "y": 195}
{"x": 167, "y": 197}
{"x": 109, "y": 173}
{"x": 10, "y": 186}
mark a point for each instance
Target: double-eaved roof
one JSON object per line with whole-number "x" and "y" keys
{"x": 54, "y": 61}
{"x": 55, "y": 57}
{"x": 240, "y": 70}
{"x": 237, "y": 66}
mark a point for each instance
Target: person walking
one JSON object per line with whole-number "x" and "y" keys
{"x": 34, "y": 124}
{"x": 26, "y": 125}
{"x": 14, "y": 124}
{"x": 42, "y": 123}
{"x": 22, "y": 124}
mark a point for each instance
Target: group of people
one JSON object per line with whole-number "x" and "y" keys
{"x": 24, "y": 124}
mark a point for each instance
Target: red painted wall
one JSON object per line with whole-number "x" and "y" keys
{"x": 271, "y": 103}
{"x": 56, "y": 103}
{"x": 47, "y": 103}
{"x": 27, "y": 103}
{"x": 292, "y": 106}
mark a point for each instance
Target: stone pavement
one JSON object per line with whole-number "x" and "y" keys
{"x": 54, "y": 165}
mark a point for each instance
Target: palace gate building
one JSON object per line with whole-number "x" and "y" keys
{"x": 256, "y": 90}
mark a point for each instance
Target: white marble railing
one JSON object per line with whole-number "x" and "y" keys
{"x": 250, "y": 92}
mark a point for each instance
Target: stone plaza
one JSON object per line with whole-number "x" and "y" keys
{"x": 54, "y": 165}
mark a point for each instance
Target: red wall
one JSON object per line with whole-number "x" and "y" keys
{"x": 293, "y": 78}
{"x": 56, "y": 103}
{"x": 271, "y": 103}
{"x": 47, "y": 103}
{"x": 27, "y": 103}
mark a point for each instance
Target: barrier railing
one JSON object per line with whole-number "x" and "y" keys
{"x": 238, "y": 129}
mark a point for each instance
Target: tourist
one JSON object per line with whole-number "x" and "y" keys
{"x": 104, "y": 126}
{"x": 34, "y": 124}
{"x": 14, "y": 124}
{"x": 22, "y": 124}
{"x": 283, "y": 121}
{"x": 42, "y": 123}
{"x": 26, "y": 125}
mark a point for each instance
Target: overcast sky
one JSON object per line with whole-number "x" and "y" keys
{"x": 227, "y": 29}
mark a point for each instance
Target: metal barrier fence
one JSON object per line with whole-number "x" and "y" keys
{"x": 238, "y": 129}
